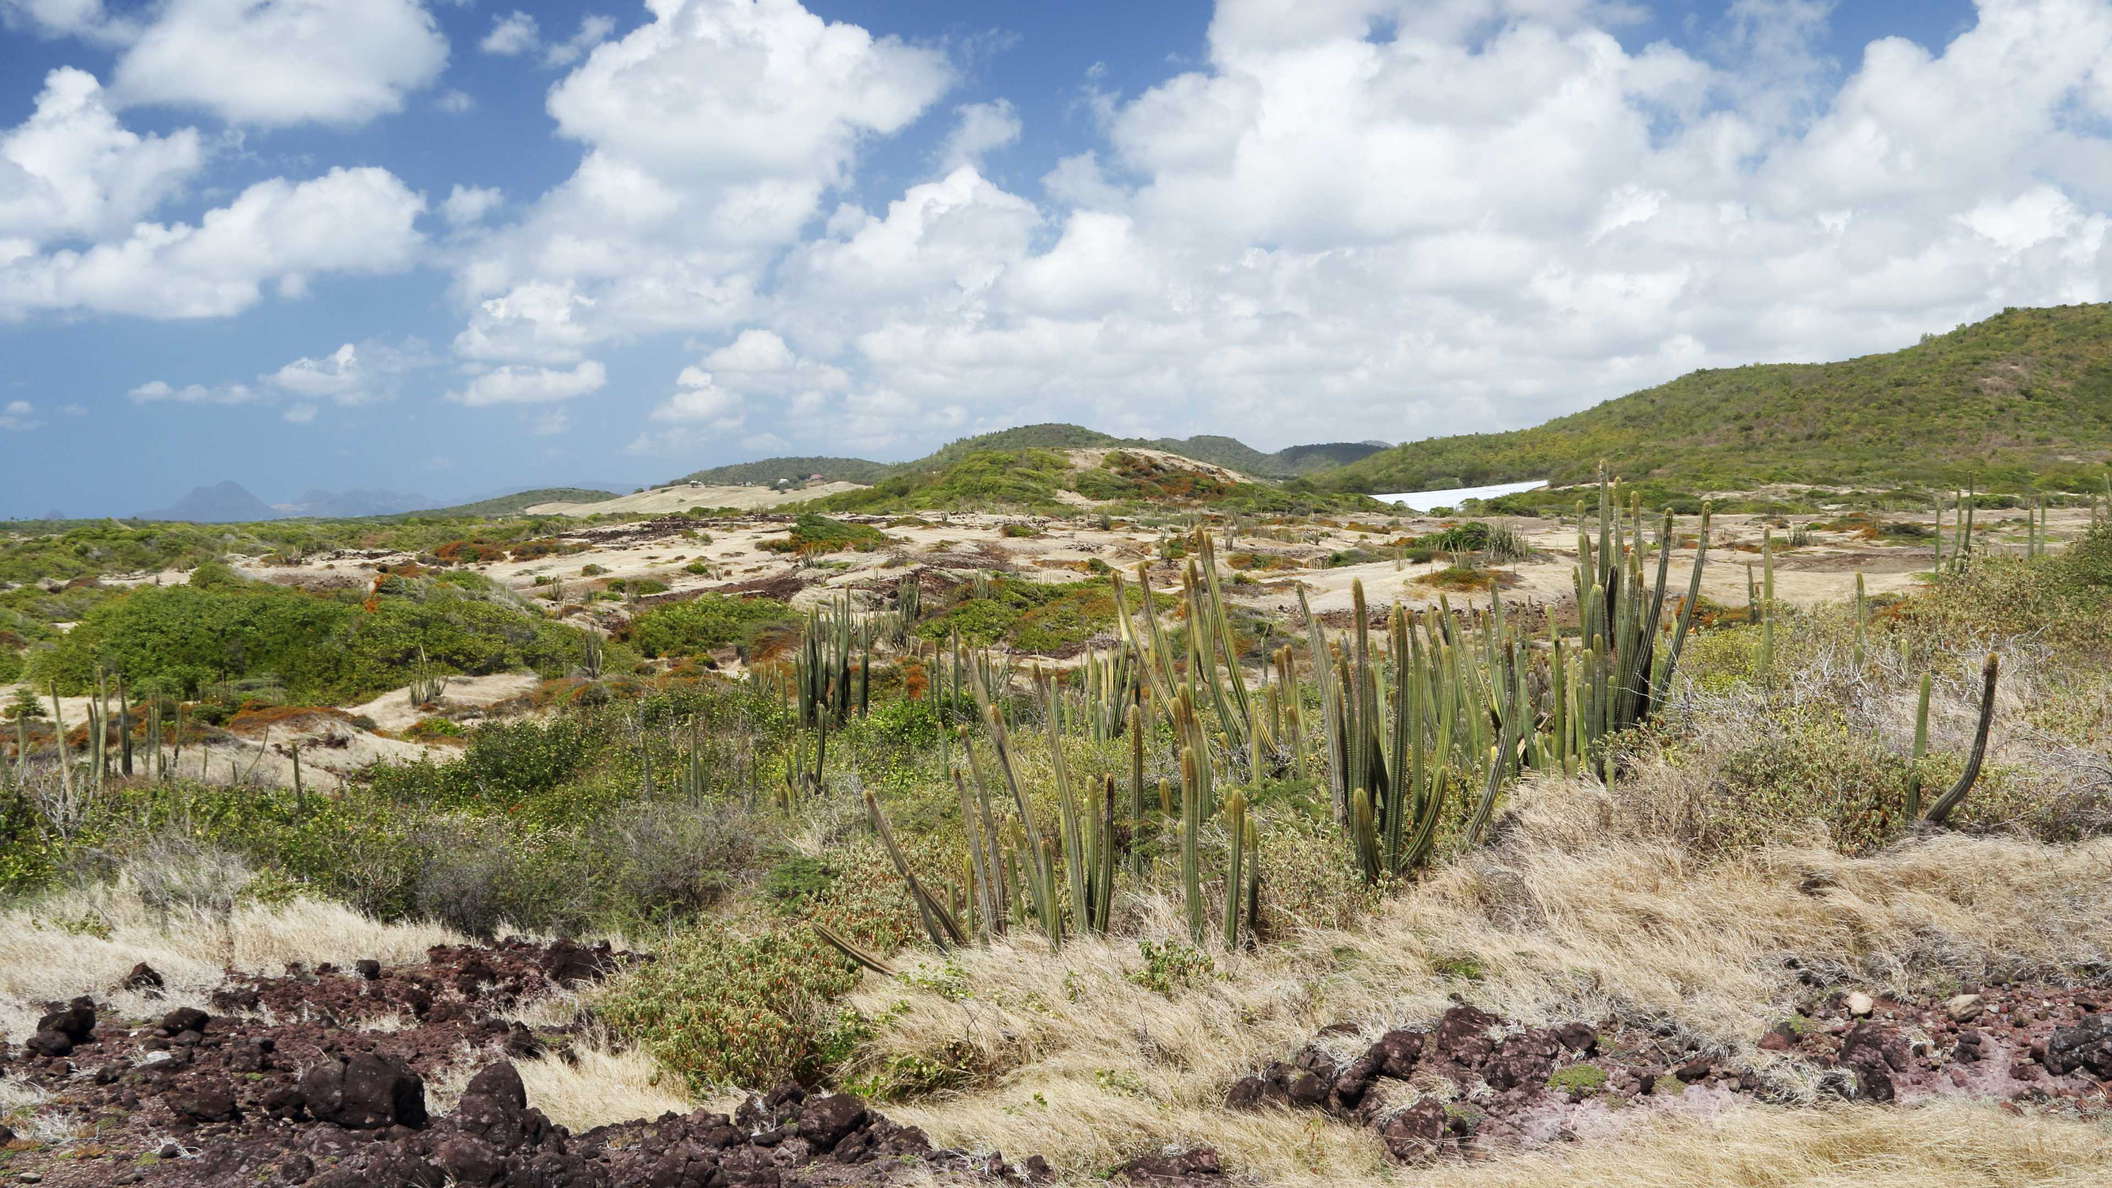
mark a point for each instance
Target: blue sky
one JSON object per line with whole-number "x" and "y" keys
{"x": 461, "y": 246}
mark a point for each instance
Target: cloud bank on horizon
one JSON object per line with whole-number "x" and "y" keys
{"x": 1339, "y": 219}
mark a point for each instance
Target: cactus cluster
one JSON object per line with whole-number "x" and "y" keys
{"x": 828, "y": 684}
{"x": 1424, "y": 717}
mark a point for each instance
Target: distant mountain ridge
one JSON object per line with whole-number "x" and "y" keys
{"x": 221, "y": 503}
{"x": 2023, "y": 398}
{"x": 517, "y": 502}
{"x": 230, "y": 502}
{"x": 347, "y": 505}
{"x": 1217, "y": 450}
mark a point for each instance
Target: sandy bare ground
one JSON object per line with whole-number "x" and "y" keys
{"x": 334, "y": 742}
{"x": 682, "y": 497}
{"x": 730, "y": 555}
{"x": 1264, "y": 566}
{"x": 393, "y": 710}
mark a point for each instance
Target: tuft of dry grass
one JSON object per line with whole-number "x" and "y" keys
{"x": 1582, "y": 912}
{"x": 1952, "y": 1144}
{"x": 85, "y": 941}
{"x": 601, "y": 1083}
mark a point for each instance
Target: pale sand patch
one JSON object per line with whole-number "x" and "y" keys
{"x": 1090, "y": 458}
{"x": 682, "y": 497}
{"x": 393, "y": 710}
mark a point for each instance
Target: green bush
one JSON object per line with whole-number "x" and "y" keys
{"x": 221, "y": 628}
{"x": 706, "y": 622}
{"x": 727, "y": 1010}
{"x": 211, "y": 630}
{"x": 813, "y": 535}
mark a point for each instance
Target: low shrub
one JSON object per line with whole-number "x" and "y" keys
{"x": 723, "y": 1010}
{"x": 813, "y": 535}
{"x": 706, "y": 622}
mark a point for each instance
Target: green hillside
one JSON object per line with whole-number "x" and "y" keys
{"x": 1289, "y": 462}
{"x": 514, "y": 504}
{"x": 768, "y": 471}
{"x": 1049, "y": 435}
{"x": 2022, "y": 399}
{"x": 1043, "y": 480}
{"x": 1215, "y": 449}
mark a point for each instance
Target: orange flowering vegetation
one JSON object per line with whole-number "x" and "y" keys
{"x": 545, "y": 546}
{"x": 457, "y": 552}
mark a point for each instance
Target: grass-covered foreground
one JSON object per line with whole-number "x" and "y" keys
{"x": 1060, "y": 908}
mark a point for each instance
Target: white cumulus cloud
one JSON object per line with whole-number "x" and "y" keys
{"x": 980, "y": 128}
{"x": 1364, "y": 219}
{"x": 71, "y": 170}
{"x": 285, "y": 61}
{"x": 275, "y": 232}
{"x": 19, "y": 416}
{"x": 353, "y": 374}
{"x": 710, "y": 136}
{"x": 531, "y": 385}
{"x": 514, "y": 33}
{"x": 467, "y": 205}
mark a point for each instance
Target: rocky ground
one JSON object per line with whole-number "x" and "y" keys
{"x": 320, "y": 1077}
{"x": 1473, "y": 1085}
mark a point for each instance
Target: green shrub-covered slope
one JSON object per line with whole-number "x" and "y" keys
{"x": 2023, "y": 399}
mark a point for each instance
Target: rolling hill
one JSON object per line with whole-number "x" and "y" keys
{"x": 514, "y": 504}
{"x": 768, "y": 471}
{"x": 2022, "y": 399}
{"x": 1216, "y": 450}
{"x": 1061, "y": 480}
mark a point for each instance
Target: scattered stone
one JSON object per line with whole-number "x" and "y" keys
{"x": 1859, "y": 1004}
{"x": 1964, "y": 1008}
{"x": 827, "y": 1120}
{"x": 144, "y": 979}
{"x": 183, "y": 1019}
{"x": 367, "y": 1092}
{"x": 76, "y": 1021}
{"x": 205, "y": 1103}
{"x": 49, "y": 1043}
{"x": 1186, "y": 1167}
{"x": 2087, "y": 1045}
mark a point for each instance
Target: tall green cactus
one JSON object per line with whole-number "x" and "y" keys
{"x": 1940, "y": 812}
{"x": 1921, "y": 747}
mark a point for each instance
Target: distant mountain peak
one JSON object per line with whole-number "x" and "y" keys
{"x": 224, "y": 502}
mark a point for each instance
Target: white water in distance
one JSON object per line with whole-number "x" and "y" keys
{"x": 1422, "y": 501}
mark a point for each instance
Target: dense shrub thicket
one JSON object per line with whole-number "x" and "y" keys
{"x": 318, "y": 647}
{"x": 705, "y": 622}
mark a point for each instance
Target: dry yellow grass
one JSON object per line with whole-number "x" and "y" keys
{"x": 1952, "y": 1145}
{"x": 1579, "y": 914}
{"x": 85, "y": 941}
{"x": 602, "y": 1084}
